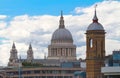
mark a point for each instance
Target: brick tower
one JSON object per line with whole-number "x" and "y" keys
{"x": 95, "y": 48}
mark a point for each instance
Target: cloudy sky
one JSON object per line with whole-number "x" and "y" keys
{"x": 25, "y": 21}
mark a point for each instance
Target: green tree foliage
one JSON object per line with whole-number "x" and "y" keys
{"x": 31, "y": 64}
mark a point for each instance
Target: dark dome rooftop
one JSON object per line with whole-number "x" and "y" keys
{"x": 95, "y": 25}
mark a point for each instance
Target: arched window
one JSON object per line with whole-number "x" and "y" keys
{"x": 91, "y": 43}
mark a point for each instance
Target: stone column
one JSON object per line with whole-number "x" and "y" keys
{"x": 65, "y": 52}
{"x": 74, "y": 53}
{"x": 57, "y": 52}
{"x": 61, "y": 52}
{"x": 54, "y": 51}
{"x": 51, "y": 51}
{"x": 70, "y": 51}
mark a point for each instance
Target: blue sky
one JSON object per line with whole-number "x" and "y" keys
{"x": 41, "y": 7}
{"x": 25, "y": 21}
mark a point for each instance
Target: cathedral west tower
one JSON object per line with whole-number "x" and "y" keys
{"x": 30, "y": 56}
{"x": 62, "y": 46}
{"x": 95, "y": 48}
{"x": 13, "y": 60}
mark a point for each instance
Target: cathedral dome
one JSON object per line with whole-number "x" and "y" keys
{"x": 62, "y": 34}
{"x": 95, "y": 25}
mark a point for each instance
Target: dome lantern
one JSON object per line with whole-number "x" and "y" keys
{"x": 61, "y": 25}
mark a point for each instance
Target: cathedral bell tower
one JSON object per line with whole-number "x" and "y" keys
{"x": 13, "y": 60}
{"x": 95, "y": 48}
{"x": 30, "y": 56}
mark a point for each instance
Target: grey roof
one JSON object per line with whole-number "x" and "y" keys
{"x": 62, "y": 34}
{"x": 95, "y": 26}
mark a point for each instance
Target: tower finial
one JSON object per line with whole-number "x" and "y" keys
{"x": 61, "y": 21}
{"x": 95, "y": 6}
{"x": 13, "y": 46}
{"x": 61, "y": 13}
{"x": 30, "y": 56}
{"x": 95, "y": 19}
{"x": 30, "y": 47}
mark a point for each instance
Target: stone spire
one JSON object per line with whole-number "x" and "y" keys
{"x": 45, "y": 56}
{"x": 61, "y": 21}
{"x": 30, "y": 47}
{"x": 13, "y": 46}
{"x": 13, "y": 60}
{"x": 30, "y": 53}
{"x": 95, "y": 19}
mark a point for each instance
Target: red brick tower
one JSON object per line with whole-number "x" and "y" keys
{"x": 95, "y": 48}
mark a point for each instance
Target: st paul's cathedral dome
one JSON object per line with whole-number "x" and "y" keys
{"x": 62, "y": 34}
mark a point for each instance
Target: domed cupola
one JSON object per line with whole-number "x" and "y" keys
{"x": 95, "y": 25}
{"x": 62, "y": 47}
{"x": 95, "y": 49}
{"x": 62, "y": 34}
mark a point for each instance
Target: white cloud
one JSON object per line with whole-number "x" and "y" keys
{"x": 22, "y": 26}
{"x": 38, "y": 30}
{"x": 3, "y": 16}
{"x": 81, "y": 52}
{"x": 78, "y": 10}
{"x": 21, "y": 49}
{"x": 112, "y": 45}
{"x": 4, "y": 51}
{"x": 2, "y": 24}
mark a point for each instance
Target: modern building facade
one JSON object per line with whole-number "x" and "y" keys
{"x": 116, "y": 58}
{"x": 95, "y": 49}
{"x": 111, "y": 72}
{"x": 112, "y": 68}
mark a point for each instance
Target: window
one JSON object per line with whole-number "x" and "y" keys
{"x": 91, "y": 43}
